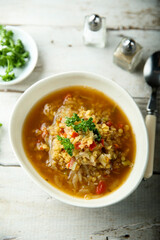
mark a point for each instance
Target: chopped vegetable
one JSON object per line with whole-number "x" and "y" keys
{"x": 71, "y": 162}
{"x": 0, "y": 124}
{"x": 74, "y": 135}
{"x": 126, "y": 163}
{"x": 68, "y": 146}
{"x": 12, "y": 54}
{"x": 109, "y": 123}
{"x": 70, "y": 121}
{"x": 92, "y": 146}
{"x": 74, "y": 166}
{"x": 76, "y": 145}
{"x": 67, "y": 96}
{"x": 116, "y": 146}
{"x": 101, "y": 188}
{"x": 98, "y": 136}
{"x": 83, "y": 125}
{"x": 61, "y": 131}
{"x": 44, "y": 133}
{"x": 102, "y": 142}
{"x": 65, "y": 134}
{"x": 120, "y": 125}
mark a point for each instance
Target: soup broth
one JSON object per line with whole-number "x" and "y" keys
{"x": 80, "y": 141}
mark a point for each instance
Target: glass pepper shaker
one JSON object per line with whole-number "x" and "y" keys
{"x": 94, "y": 33}
{"x": 128, "y": 54}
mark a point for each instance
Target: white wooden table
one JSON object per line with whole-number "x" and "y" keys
{"x": 28, "y": 213}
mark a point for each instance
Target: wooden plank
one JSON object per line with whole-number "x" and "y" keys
{"x": 122, "y": 14}
{"x": 29, "y": 213}
{"x": 145, "y": 231}
{"x": 7, "y": 102}
{"x": 62, "y": 49}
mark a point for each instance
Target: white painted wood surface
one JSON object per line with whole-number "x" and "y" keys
{"x": 26, "y": 212}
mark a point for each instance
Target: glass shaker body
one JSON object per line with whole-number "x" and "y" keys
{"x": 127, "y": 61}
{"x": 95, "y": 38}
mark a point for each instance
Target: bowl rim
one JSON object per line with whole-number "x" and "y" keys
{"x": 71, "y": 199}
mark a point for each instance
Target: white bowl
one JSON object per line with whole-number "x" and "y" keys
{"x": 111, "y": 89}
{"x": 30, "y": 46}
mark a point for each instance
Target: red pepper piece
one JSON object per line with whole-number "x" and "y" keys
{"x": 76, "y": 145}
{"x": 116, "y": 146}
{"x": 92, "y": 146}
{"x": 101, "y": 188}
{"x": 65, "y": 135}
{"x": 61, "y": 131}
{"x": 102, "y": 141}
{"x": 74, "y": 135}
{"x": 120, "y": 125}
{"x": 70, "y": 164}
{"x": 109, "y": 123}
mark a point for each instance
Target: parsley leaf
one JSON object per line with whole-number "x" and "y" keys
{"x": 70, "y": 121}
{"x": 83, "y": 125}
{"x": 12, "y": 53}
{"x": 98, "y": 136}
{"x": 68, "y": 146}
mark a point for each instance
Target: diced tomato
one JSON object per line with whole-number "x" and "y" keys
{"x": 59, "y": 120}
{"x": 109, "y": 123}
{"x": 65, "y": 135}
{"x": 76, "y": 145}
{"x": 70, "y": 164}
{"x": 74, "y": 135}
{"x": 102, "y": 141}
{"x": 101, "y": 188}
{"x": 61, "y": 131}
{"x": 116, "y": 146}
{"x": 120, "y": 125}
{"x": 92, "y": 146}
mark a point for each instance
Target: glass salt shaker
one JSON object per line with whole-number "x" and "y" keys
{"x": 94, "y": 33}
{"x": 128, "y": 54}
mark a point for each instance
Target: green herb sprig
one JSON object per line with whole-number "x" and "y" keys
{"x": 70, "y": 121}
{"x": 12, "y": 54}
{"x": 68, "y": 146}
{"x": 83, "y": 125}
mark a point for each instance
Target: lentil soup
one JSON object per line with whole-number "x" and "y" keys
{"x": 80, "y": 141}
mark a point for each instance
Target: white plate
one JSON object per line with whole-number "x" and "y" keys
{"x": 30, "y": 46}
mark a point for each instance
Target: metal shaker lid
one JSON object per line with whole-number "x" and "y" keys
{"x": 128, "y": 46}
{"x": 95, "y": 22}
